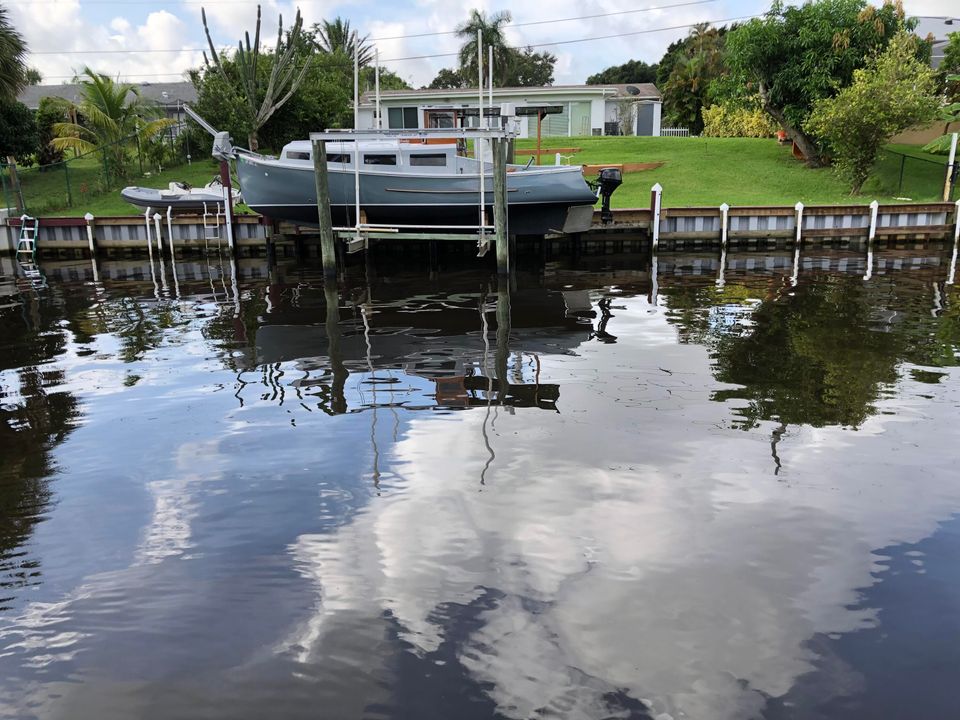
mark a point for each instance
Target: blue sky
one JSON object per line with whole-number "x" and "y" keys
{"x": 66, "y": 34}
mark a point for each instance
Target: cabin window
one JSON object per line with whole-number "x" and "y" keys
{"x": 297, "y": 155}
{"x": 428, "y": 159}
{"x": 403, "y": 118}
{"x": 379, "y": 159}
{"x": 339, "y": 158}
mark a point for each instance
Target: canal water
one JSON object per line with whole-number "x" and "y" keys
{"x": 626, "y": 487}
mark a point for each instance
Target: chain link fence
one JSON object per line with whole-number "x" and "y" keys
{"x": 45, "y": 189}
{"x": 912, "y": 177}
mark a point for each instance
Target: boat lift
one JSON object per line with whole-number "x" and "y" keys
{"x": 361, "y": 231}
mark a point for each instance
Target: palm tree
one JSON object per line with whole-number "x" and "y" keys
{"x": 336, "y": 38}
{"x": 12, "y": 50}
{"x": 112, "y": 113}
{"x": 491, "y": 32}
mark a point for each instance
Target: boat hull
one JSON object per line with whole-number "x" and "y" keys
{"x": 538, "y": 201}
{"x": 149, "y": 198}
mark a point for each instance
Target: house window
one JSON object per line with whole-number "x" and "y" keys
{"x": 428, "y": 159}
{"x": 444, "y": 119}
{"x": 402, "y": 118}
{"x": 379, "y": 159}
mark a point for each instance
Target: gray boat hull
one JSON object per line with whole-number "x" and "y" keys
{"x": 539, "y": 200}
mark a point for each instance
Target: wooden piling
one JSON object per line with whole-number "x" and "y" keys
{"x": 501, "y": 235}
{"x": 328, "y": 249}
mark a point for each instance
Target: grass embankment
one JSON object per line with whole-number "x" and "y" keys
{"x": 695, "y": 171}
{"x": 45, "y": 193}
{"x": 742, "y": 171}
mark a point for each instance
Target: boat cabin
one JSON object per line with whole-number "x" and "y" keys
{"x": 383, "y": 155}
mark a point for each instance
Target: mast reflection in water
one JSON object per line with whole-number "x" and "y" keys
{"x": 634, "y": 488}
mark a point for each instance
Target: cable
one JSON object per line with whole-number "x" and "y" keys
{"x": 534, "y": 45}
{"x": 401, "y": 37}
{"x": 545, "y": 22}
{"x": 451, "y": 54}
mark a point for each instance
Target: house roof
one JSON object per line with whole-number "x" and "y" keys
{"x": 641, "y": 91}
{"x": 939, "y": 28}
{"x": 183, "y": 91}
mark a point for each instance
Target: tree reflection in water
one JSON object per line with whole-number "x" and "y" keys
{"x": 819, "y": 354}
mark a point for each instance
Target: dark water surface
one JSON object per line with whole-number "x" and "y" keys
{"x": 605, "y": 492}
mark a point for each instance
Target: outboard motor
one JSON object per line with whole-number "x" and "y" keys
{"x": 608, "y": 180}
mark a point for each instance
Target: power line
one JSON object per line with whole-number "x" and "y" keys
{"x": 392, "y": 37}
{"x": 533, "y": 45}
{"x": 588, "y": 39}
{"x": 557, "y": 20}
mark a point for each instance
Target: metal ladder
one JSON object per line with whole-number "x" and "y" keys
{"x": 27, "y": 242}
{"x": 211, "y": 229}
{"x": 27, "y": 251}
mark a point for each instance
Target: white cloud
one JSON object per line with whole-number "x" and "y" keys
{"x": 62, "y": 41}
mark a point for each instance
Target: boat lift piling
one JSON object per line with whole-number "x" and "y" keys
{"x": 328, "y": 250}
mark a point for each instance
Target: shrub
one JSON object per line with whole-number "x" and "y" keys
{"x": 726, "y": 121}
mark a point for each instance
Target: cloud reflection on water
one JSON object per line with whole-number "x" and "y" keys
{"x": 643, "y": 554}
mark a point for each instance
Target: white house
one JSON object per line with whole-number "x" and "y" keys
{"x": 576, "y": 110}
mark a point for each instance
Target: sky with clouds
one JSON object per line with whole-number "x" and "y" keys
{"x": 64, "y": 35}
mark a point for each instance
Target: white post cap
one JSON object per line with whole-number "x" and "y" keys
{"x": 874, "y": 205}
{"x": 724, "y": 207}
{"x": 798, "y": 207}
{"x": 156, "y": 216}
{"x": 657, "y": 188}
{"x": 88, "y": 217}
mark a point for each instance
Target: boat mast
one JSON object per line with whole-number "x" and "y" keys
{"x": 376, "y": 55}
{"x": 356, "y": 138}
{"x": 490, "y": 76}
{"x": 478, "y": 143}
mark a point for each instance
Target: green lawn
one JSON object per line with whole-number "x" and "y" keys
{"x": 45, "y": 193}
{"x": 742, "y": 171}
{"x": 695, "y": 171}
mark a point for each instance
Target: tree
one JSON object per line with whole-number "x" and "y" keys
{"x": 695, "y": 66}
{"x": 632, "y": 71}
{"x": 530, "y": 69}
{"x": 32, "y": 76}
{"x": 388, "y": 80}
{"x": 336, "y": 38}
{"x": 949, "y": 67}
{"x": 12, "y": 51}
{"x": 322, "y": 101}
{"x": 795, "y": 56}
{"x": 491, "y": 32}
{"x": 448, "y": 79}
{"x": 948, "y": 114}
{"x": 893, "y": 92}
{"x": 51, "y": 111}
{"x": 261, "y": 97}
{"x": 108, "y": 115}
{"x": 18, "y": 132}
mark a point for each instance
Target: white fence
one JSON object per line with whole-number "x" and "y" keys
{"x": 674, "y": 132}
